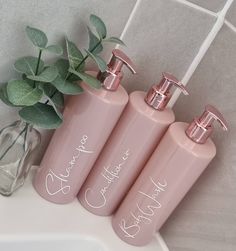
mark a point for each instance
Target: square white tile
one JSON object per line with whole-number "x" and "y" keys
{"x": 163, "y": 35}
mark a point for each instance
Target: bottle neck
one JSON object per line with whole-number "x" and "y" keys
{"x": 156, "y": 99}
{"x": 198, "y": 133}
{"x": 110, "y": 80}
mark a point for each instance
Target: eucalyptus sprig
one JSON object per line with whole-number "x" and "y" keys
{"x": 36, "y": 76}
{"x": 40, "y": 81}
{"x": 75, "y": 67}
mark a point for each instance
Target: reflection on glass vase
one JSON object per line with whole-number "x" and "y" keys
{"x": 18, "y": 145}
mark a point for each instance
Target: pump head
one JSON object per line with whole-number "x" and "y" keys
{"x": 112, "y": 77}
{"x": 159, "y": 95}
{"x": 202, "y": 127}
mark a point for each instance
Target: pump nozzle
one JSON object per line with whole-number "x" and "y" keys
{"x": 159, "y": 94}
{"x": 111, "y": 78}
{"x": 201, "y": 127}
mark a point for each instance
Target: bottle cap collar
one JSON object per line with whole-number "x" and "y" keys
{"x": 159, "y": 95}
{"x": 202, "y": 127}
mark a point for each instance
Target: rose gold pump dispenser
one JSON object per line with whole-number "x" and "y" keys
{"x": 201, "y": 128}
{"x": 112, "y": 77}
{"x": 159, "y": 95}
{"x": 180, "y": 158}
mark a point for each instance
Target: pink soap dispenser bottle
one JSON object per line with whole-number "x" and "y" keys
{"x": 180, "y": 158}
{"x": 88, "y": 121}
{"x": 141, "y": 126}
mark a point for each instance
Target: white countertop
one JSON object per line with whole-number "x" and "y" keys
{"x": 25, "y": 216}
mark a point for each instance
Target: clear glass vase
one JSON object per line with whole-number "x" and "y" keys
{"x": 18, "y": 145}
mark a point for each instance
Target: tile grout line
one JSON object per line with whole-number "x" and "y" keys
{"x": 128, "y": 22}
{"x": 226, "y": 8}
{"x": 230, "y": 25}
{"x": 197, "y": 7}
{"x": 161, "y": 242}
{"x": 203, "y": 48}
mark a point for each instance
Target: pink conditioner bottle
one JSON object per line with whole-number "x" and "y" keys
{"x": 88, "y": 121}
{"x": 180, "y": 158}
{"x": 141, "y": 126}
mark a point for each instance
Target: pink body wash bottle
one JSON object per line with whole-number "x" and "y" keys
{"x": 180, "y": 158}
{"x": 141, "y": 126}
{"x": 88, "y": 121}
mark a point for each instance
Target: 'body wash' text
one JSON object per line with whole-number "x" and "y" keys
{"x": 145, "y": 211}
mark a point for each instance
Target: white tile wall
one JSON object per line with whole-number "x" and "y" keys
{"x": 164, "y": 37}
{"x": 193, "y": 40}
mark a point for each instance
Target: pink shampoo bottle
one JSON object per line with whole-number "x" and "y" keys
{"x": 140, "y": 128}
{"x": 180, "y": 158}
{"x": 88, "y": 121}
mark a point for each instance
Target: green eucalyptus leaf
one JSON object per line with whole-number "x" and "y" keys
{"x": 75, "y": 56}
{"x": 41, "y": 115}
{"x": 55, "y": 98}
{"x": 62, "y": 67}
{"x": 53, "y": 94}
{"x": 73, "y": 78}
{"x": 88, "y": 79}
{"x": 95, "y": 45}
{"x": 99, "y": 25}
{"x": 58, "y": 99}
{"x": 37, "y": 37}
{"x": 56, "y": 49}
{"x": 66, "y": 87}
{"x": 29, "y": 81}
{"x": 22, "y": 93}
{"x": 56, "y": 109}
{"x": 4, "y": 96}
{"x": 102, "y": 65}
{"x": 28, "y": 65}
{"x": 115, "y": 40}
{"x": 48, "y": 75}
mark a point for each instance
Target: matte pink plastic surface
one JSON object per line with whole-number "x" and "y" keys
{"x": 133, "y": 140}
{"x": 168, "y": 175}
{"x": 88, "y": 121}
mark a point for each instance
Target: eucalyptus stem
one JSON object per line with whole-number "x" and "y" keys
{"x": 39, "y": 58}
{"x": 38, "y": 63}
{"x": 78, "y": 66}
{"x": 85, "y": 58}
{"x": 12, "y": 144}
